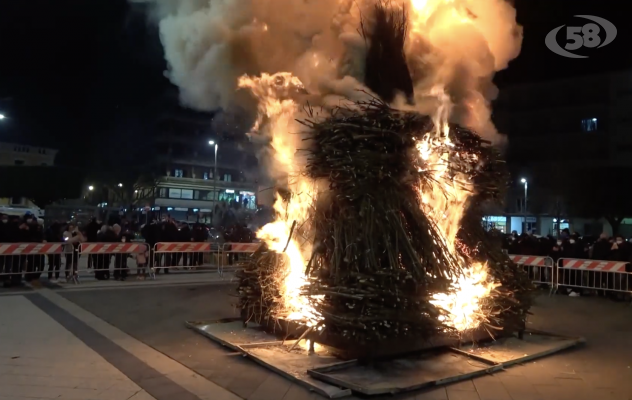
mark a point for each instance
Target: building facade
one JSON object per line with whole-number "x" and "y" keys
{"x": 13, "y": 154}
{"x": 195, "y": 176}
{"x": 30, "y": 156}
{"x": 555, "y": 128}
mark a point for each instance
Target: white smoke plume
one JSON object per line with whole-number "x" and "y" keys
{"x": 457, "y": 45}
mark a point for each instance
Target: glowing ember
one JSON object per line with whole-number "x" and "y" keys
{"x": 463, "y": 303}
{"x": 275, "y": 103}
{"x": 444, "y": 202}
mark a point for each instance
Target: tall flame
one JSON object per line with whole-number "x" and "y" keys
{"x": 444, "y": 202}
{"x": 278, "y": 110}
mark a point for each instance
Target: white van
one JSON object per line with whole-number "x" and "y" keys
{"x": 20, "y": 211}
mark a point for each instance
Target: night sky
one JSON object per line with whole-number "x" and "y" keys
{"x": 85, "y": 76}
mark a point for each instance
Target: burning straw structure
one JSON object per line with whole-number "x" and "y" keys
{"x": 397, "y": 253}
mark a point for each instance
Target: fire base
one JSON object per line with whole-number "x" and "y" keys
{"x": 324, "y": 373}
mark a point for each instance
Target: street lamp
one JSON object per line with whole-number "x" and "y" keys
{"x": 90, "y": 188}
{"x": 211, "y": 143}
{"x": 523, "y": 180}
{"x": 2, "y": 116}
{"x": 120, "y": 185}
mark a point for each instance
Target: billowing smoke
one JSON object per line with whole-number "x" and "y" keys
{"x": 453, "y": 45}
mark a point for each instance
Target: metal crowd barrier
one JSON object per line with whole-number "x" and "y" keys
{"x": 613, "y": 276}
{"x": 17, "y": 259}
{"x": 192, "y": 255}
{"x": 234, "y": 249}
{"x": 100, "y": 256}
{"x": 541, "y": 269}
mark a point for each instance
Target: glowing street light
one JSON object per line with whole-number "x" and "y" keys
{"x": 211, "y": 143}
{"x": 2, "y": 116}
{"x": 523, "y": 180}
{"x": 90, "y": 188}
{"x": 120, "y": 185}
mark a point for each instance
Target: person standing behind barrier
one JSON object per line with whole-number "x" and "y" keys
{"x": 168, "y": 234}
{"x": 102, "y": 261}
{"x": 73, "y": 237}
{"x": 4, "y": 233}
{"x": 23, "y": 237}
{"x": 601, "y": 248}
{"x": 120, "y": 260}
{"x": 231, "y": 237}
{"x": 150, "y": 234}
{"x": 199, "y": 236}
{"x": 184, "y": 235}
{"x": 92, "y": 233}
{"x": 35, "y": 262}
{"x": 573, "y": 248}
{"x": 8, "y": 234}
{"x": 106, "y": 235}
{"x": 16, "y": 235}
{"x": 619, "y": 251}
{"x": 54, "y": 235}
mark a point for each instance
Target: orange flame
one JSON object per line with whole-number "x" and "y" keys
{"x": 444, "y": 202}
{"x": 279, "y": 112}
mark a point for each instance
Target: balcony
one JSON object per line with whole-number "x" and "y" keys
{"x": 207, "y": 183}
{"x": 207, "y": 161}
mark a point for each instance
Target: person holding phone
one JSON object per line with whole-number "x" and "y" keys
{"x": 73, "y": 237}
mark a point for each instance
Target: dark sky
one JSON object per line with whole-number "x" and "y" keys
{"x": 86, "y": 75}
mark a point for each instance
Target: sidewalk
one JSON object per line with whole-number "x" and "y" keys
{"x": 88, "y": 281}
{"x": 41, "y": 359}
{"x": 51, "y": 348}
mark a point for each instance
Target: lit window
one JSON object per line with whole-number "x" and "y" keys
{"x": 178, "y": 173}
{"x": 589, "y": 124}
{"x": 206, "y": 175}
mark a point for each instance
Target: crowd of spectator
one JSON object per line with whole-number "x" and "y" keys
{"x": 570, "y": 245}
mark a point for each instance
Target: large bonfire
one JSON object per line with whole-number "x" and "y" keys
{"x": 377, "y": 233}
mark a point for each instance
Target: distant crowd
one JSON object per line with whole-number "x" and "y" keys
{"x": 15, "y": 269}
{"x": 570, "y": 245}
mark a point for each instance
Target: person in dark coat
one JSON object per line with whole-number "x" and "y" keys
{"x": 10, "y": 233}
{"x": 54, "y": 235}
{"x": 5, "y": 232}
{"x": 92, "y": 233}
{"x": 199, "y": 235}
{"x": 601, "y": 248}
{"x": 169, "y": 234}
{"x": 120, "y": 260}
{"x": 184, "y": 235}
{"x": 102, "y": 267}
{"x": 573, "y": 248}
{"x": 24, "y": 236}
{"x": 150, "y": 234}
{"x": 620, "y": 250}
{"x": 34, "y": 262}
{"x": 73, "y": 237}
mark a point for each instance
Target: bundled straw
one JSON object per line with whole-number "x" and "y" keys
{"x": 377, "y": 258}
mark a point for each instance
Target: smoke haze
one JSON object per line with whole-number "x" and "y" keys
{"x": 456, "y": 45}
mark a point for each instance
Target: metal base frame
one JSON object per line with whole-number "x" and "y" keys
{"x": 316, "y": 367}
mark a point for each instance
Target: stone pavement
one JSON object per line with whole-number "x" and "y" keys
{"x": 39, "y": 358}
{"x": 596, "y": 371}
{"x": 52, "y": 349}
{"x": 111, "y": 343}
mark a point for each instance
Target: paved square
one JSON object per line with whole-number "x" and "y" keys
{"x": 41, "y": 359}
{"x": 599, "y": 370}
{"x": 110, "y": 343}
